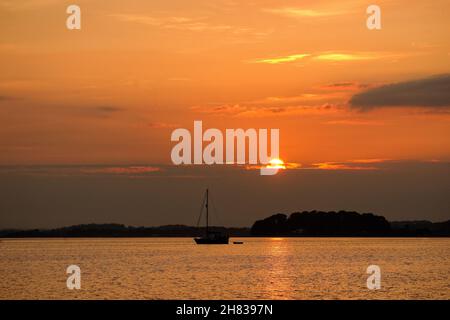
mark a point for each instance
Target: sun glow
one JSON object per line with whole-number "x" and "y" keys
{"x": 276, "y": 164}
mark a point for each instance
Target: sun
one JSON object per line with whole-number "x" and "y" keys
{"x": 276, "y": 164}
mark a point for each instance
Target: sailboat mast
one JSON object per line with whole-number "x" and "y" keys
{"x": 207, "y": 211}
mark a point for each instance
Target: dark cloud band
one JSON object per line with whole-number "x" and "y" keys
{"x": 429, "y": 92}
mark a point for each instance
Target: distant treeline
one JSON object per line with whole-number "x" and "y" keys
{"x": 298, "y": 224}
{"x": 120, "y": 230}
{"x": 344, "y": 224}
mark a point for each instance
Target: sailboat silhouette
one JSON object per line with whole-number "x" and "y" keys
{"x": 210, "y": 237}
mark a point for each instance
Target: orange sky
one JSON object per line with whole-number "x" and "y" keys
{"x": 113, "y": 91}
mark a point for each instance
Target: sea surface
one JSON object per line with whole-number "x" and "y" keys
{"x": 261, "y": 268}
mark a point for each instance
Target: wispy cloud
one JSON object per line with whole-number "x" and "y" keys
{"x": 238, "y": 110}
{"x": 362, "y": 164}
{"x": 371, "y": 160}
{"x": 82, "y": 170}
{"x": 356, "y": 164}
{"x": 304, "y": 13}
{"x": 339, "y": 166}
{"x": 124, "y": 170}
{"x": 304, "y": 98}
{"x": 26, "y": 4}
{"x": 179, "y": 23}
{"x": 284, "y": 59}
{"x": 344, "y": 86}
{"x": 316, "y": 102}
{"x": 285, "y": 165}
{"x": 99, "y": 111}
{"x": 346, "y": 56}
{"x": 162, "y": 125}
{"x": 181, "y": 79}
{"x": 355, "y": 122}
{"x": 325, "y": 56}
{"x": 107, "y": 109}
{"x": 6, "y": 98}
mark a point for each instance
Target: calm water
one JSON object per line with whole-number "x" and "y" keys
{"x": 261, "y": 268}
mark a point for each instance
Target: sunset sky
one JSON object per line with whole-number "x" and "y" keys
{"x": 355, "y": 107}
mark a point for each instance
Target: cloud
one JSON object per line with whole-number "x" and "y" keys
{"x": 162, "y": 125}
{"x": 358, "y": 164}
{"x": 339, "y": 166}
{"x": 326, "y": 57}
{"x": 285, "y": 165}
{"x": 370, "y": 160}
{"x": 284, "y": 59}
{"x": 303, "y": 13}
{"x": 355, "y": 122}
{"x": 83, "y": 170}
{"x": 179, "y": 79}
{"x": 428, "y": 92}
{"x": 178, "y": 23}
{"x": 333, "y": 56}
{"x": 6, "y": 98}
{"x": 238, "y": 110}
{"x": 301, "y": 99}
{"x": 123, "y": 170}
{"x": 107, "y": 109}
{"x": 344, "y": 86}
{"x": 101, "y": 111}
{"x": 310, "y": 103}
{"x": 14, "y": 5}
